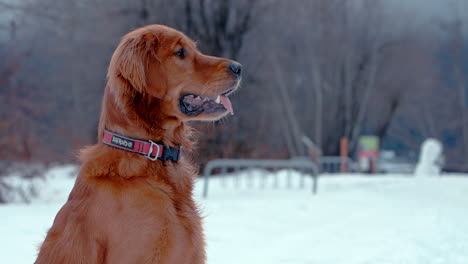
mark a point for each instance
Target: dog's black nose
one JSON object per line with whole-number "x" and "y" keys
{"x": 235, "y": 68}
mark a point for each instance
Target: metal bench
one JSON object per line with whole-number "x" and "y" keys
{"x": 300, "y": 164}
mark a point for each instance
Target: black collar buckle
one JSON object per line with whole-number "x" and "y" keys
{"x": 170, "y": 153}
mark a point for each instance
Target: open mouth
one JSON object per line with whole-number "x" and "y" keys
{"x": 192, "y": 105}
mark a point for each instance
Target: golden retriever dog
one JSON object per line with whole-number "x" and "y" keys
{"x": 132, "y": 200}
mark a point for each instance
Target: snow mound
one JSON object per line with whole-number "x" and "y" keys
{"x": 18, "y": 188}
{"x": 430, "y": 158}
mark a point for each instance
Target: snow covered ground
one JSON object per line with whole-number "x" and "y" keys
{"x": 353, "y": 219}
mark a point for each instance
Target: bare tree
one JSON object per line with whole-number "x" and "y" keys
{"x": 220, "y": 26}
{"x": 322, "y": 68}
{"x": 458, "y": 30}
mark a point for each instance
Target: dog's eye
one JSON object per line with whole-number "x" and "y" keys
{"x": 180, "y": 53}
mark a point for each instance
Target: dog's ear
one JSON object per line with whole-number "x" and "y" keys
{"x": 130, "y": 59}
{"x": 156, "y": 78}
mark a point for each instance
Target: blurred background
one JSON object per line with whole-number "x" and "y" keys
{"x": 327, "y": 69}
{"x": 360, "y": 83}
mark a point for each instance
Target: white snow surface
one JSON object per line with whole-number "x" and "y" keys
{"x": 353, "y": 219}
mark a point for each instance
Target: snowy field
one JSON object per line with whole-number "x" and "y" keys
{"x": 353, "y": 219}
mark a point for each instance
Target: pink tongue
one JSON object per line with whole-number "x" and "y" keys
{"x": 226, "y": 103}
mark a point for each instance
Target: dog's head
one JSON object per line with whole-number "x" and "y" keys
{"x": 159, "y": 64}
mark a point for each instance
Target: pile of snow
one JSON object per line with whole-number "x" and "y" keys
{"x": 21, "y": 187}
{"x": 250, "y": 219}
{"x": 430, "y": 158}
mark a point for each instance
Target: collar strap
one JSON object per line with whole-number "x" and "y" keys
{"x": 149, "y": 149}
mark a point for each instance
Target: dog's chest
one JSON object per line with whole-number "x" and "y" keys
{"x": 181, "y": 239}
{"x": 153, "y": 228}
{"x": 187, "y": 239}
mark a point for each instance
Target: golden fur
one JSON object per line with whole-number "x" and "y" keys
{"x": 125, "y": 208}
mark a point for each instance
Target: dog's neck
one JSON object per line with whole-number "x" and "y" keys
{"x": 105, "y": 161}
{"x": 153, "y": 125}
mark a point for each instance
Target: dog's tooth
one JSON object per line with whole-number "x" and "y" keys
{"x": 218, "y": 99}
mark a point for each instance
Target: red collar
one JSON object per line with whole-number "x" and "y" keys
{"x": 149, "y": 149}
